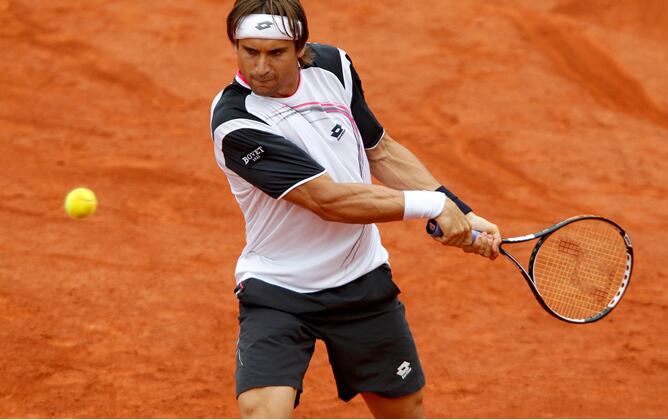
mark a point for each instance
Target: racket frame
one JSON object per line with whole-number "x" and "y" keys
{"x": 542, "y": 236}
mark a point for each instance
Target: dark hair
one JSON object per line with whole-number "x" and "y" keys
{"x": 292, "y": 9}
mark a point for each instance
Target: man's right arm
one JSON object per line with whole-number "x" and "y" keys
{"x": 284, "y": 171}
{"x": 369, "y": 203}
{"x": 348, "y": 203}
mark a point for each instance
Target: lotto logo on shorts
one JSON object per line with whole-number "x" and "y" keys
{"x": 404, "y": 369}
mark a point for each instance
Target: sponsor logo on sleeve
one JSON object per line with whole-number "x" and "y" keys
{"x": 252, "y": 157}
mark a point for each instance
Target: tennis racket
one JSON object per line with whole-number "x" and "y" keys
{"x": 579, "y": 268}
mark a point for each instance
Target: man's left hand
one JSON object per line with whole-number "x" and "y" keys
{"x": 488, "y": 242}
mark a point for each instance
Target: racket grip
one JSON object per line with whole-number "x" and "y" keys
{"x": 433, "y": 229}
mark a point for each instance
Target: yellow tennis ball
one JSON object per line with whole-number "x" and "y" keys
{"x": 80, "y": 203}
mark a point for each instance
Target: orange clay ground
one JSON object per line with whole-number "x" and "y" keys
{"x": 533, "y": 111}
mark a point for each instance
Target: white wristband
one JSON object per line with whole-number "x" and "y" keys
{"x": 423, "y": 204}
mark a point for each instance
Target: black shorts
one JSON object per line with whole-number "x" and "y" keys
{"x": 362, "y": 324}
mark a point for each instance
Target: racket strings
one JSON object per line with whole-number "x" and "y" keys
{"x": 580, "y": 267}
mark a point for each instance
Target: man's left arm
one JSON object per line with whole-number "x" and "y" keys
{"x": 391, "y": 163}
{"x": 398, "y": 168}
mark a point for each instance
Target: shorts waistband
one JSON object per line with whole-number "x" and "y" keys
{"x": 370, "y": 289}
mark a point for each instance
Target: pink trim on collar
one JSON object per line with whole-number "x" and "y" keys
{"x": 241, "y": 76}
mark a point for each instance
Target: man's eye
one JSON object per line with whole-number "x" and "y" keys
{"x": 277, "y": 53}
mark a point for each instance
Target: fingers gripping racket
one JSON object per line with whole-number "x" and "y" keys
{"x": 579, "y": 268}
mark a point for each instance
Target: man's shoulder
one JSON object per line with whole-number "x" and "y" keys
{"x": 233, "y": 96}
{"x": 324, "y": 50}
{"x": 328, "y": 57}
{"x": 230, "y": 104}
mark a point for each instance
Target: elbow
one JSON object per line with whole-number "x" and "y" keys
{"x": 321, "y": 197}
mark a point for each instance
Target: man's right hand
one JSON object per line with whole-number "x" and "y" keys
{"x": 455, "y": 226}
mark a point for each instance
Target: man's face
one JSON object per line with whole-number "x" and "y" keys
{"x": 270, "y": 66}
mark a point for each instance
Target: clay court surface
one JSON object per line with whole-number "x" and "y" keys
{"x": 533, "y": 111}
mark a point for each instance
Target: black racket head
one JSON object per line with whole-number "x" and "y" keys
{"x": 582, "y": 268}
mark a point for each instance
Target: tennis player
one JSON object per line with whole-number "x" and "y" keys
{"x": 298, "y": 144}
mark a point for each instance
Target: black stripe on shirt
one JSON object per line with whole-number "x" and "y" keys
{"x": 328, "y": 58}
{"x": 232, "y": 106}
{"x": 367, "y": 123}
{"x": 270, "y": 162}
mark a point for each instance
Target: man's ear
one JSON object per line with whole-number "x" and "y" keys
{"x": 300, "y": 54}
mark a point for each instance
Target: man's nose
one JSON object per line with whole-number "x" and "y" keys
{"x": 262, "y": 65}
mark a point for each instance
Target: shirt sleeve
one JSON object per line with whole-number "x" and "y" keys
{"x": 367, "y": 123}
{"x": 268, "y": 161}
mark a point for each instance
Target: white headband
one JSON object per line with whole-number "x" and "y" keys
{"x": 266, "y": 27}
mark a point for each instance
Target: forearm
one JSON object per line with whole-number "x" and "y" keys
{"x": 361, "y": 203}
{"x": 398, "y": 168}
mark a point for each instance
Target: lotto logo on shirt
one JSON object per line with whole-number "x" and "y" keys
{"x": 253, "y": 156}
{"x": 338, "y": 131}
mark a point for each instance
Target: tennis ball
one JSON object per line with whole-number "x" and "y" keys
{"x": 80, "y": 203}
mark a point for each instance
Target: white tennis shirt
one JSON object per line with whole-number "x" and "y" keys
{"x": 268, "y": 146}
